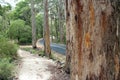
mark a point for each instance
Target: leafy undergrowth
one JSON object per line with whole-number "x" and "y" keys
{"x": 8, "y": 54}
{"x": 6, "y": 69}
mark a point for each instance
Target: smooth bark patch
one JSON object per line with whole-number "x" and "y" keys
{"x": 87, "y": 40}
{"x": 117, "y": 66}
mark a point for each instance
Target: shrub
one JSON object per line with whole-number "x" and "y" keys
{"x": 8, "y": 53}
{"x": 6, "y": 69}
{"x": 7, "y": 49}
{"x": 20, "y": 32}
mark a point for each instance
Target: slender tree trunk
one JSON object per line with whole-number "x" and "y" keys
{"x": 56, "y": 28}
{"x": 91, "y": 39}
{"x": 60, "y": 15}
{"x": 47, "y": 48}
{"x": 51, "y": 28}
{"x": 56, "y": 24}
{"x": 33, "y": 25}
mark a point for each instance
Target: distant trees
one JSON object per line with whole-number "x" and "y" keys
{"x": 56, "y": 9}
{"x": 4, "y": 18}
{"x": 91, "y": 39}
{"x": 22, "y": 11}
{"x": 61, "y": 20}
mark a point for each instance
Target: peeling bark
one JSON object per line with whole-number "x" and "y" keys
{"x": 91, "y": 37}
{"x": 68, "y": 40}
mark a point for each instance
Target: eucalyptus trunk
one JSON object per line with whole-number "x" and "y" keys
{"x": 47, "y": 48}
{"x": 33, "y": 25}
{"x": 92, "y": 40}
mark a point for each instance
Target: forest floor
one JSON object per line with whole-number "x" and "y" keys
{"x": 33, "y": 67}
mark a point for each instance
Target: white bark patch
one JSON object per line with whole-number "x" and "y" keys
{"x": 76, "y": 77}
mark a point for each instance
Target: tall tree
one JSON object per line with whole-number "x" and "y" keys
{"x": 5, "y": 21}
{"x": 33, "y": 24}
{"x": 69, "y": 42}
{"x": 60, "y": 16}
{"x": 22, "y": 11}
{"x": 92, "y": 39}
{"x": 47, "y": 48}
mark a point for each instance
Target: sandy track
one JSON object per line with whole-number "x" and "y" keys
{"x": 34, "y": 68}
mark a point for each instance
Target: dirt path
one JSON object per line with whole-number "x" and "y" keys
{"x": 34, "y": 68}
{"x": 38, "y": 68}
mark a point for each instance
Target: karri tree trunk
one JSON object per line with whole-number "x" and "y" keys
{"x": 47, "y": 48}
{"x": 33, "y": 25}
{"x": 68, "y": 39}
{"x": 92, "y": 39}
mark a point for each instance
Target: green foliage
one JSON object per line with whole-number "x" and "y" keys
{"x": 7, "y": 49}
{"x": 4, "y": 18}
{"x": 8, "y": 53}
{"x": 25, "y": 36}
{"x": 22, "y": 11}
{"x": 19, "y": 31}
{"x": 4, "y": 9}
{"x": 39, "y": 26}
{"x": 6, "y": 69}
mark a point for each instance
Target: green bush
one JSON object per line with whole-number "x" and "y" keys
{"x": 20, "y": 32}
{"x": 8, "y": 53}
{"x": 6, "y": 69}
{"x": 7, "y": 49}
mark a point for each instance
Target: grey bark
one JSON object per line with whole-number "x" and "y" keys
{"x": 33, "y": 25}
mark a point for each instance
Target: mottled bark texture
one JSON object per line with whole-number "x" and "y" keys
{"x": 47, "y": 48}
{"x": 33, "y": 25}
{"x": 92, "y": 40}
{"x": 69, "y": 37}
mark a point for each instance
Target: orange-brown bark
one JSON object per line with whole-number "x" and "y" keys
{"x": 92, "y": 32}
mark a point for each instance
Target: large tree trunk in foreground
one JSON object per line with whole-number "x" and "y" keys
{"x": 92, "y": 40}
{"x": 33, "y": 25}
{"x": 68, "y": 39}
{"x": 47, "y": 48}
